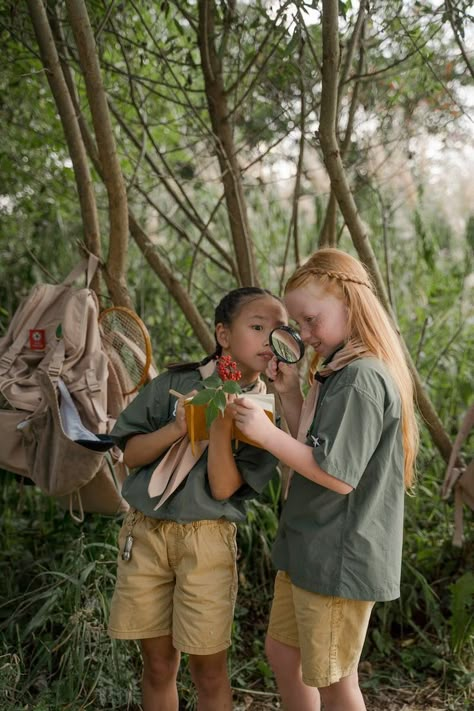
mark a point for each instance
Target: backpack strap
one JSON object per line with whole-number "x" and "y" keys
{"x": 77, "y": 517}
{"x": 88, "y": 266}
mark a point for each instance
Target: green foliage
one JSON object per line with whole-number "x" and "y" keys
{"x": 462, "y": 620}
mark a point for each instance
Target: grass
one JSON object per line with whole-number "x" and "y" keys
{"x": 56, "y": 581}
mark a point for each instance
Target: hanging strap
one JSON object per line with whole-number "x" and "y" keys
{"x": 88, "y": 266}
{"x": 78, "y": 518}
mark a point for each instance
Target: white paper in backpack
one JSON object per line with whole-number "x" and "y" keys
{"x": 70, "y": 418}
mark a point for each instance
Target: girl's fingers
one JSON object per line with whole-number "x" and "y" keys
{"x": 272, "y": 369}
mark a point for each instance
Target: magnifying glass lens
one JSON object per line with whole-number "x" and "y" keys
{"x": 286, "y": 344}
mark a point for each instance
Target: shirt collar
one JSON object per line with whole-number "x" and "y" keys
{"x": 331, "y": 356}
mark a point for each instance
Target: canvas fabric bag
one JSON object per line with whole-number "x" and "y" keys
{"x": 460, "y": 479}
{"x": 54, "y": 335}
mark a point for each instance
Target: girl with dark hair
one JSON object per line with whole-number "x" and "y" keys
{"x": 177, "y": 581}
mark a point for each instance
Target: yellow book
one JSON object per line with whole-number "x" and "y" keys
{"x": 196, "y": 418}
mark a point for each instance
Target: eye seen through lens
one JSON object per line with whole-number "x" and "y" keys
{"x": 286, "y": 344}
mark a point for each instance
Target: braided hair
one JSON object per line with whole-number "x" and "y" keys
{"x": 331, "y": 265}
{"x": 226, "y": 312}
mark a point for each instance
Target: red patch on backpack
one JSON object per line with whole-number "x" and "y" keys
{"x": 37, "y": 339}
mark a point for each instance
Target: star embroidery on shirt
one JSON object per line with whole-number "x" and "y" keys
{"x": 316, "y": 441}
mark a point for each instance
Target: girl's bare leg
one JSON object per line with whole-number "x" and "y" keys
{"x": 286, "y": 664}
{"x": 160, "y": 669}
{"x": 344, "y": 695}
{"x": 209, "y": 673}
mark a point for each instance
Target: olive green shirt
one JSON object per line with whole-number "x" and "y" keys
{"x": 153, "y": 408}
{"x": 349, "y": 545}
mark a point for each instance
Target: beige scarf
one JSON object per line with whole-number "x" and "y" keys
{"x": 353, "y": 350}
{"x": 179, "y": 459}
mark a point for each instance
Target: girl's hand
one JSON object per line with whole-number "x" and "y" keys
{"x": 223, "y": 423}
{"x": 251, "y": 420}
{"x": 284, "y": 377}
{"x": 180, "y": 420}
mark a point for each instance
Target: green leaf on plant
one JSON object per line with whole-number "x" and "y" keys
{"x": 202, "y": 397}
{"x": 212, "y": 411}
{"x": 220, "y": 400}
{"x": 230, "y": 386}
{"x": 213, "y": 381}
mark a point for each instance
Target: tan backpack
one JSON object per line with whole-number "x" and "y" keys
{"x": 55, "y": 370}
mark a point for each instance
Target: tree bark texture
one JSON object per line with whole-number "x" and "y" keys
{"x": 68, "y": 116}
{"x": 224, "y": 144}
{"x": 115, "y": 270}
{"x": 345, "y": 199}
{"x": 328, "y": 234}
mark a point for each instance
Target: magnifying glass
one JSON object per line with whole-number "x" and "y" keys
{"x": 286, "y": 344}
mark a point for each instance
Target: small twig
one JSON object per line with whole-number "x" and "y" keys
{"x": 43, "y": 268}
{"x": 443, "y": 352}
{"x": 250, "y": 692}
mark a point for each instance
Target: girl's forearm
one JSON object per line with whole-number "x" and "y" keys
{"x": 292, "y": 404}
{"x": 299, "y": 457}
{"x": 224, "y": 476}
{"x": 142, "y": 449}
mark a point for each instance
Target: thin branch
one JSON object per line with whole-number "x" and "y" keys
{"x": 190, "y": 210}
{"x": 368, "y": 76}
{"x": 457, "y": 36}
{"x": 255, "y": 78}
{"x": 257, "y": 53}
{"x": 443, "y": 351}
{"x": 436, "y": 76}
{"x": 200, "y": 238}
{"x": 182, "y": 233}
{"x": 105, "y": 19}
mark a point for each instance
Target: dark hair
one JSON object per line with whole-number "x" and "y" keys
{"x": 226, "y": 312}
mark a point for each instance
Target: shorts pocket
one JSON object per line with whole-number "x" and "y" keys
{"x": 228, "y": 533}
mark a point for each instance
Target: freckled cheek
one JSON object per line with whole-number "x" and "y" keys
{"x": 307, "y": 333}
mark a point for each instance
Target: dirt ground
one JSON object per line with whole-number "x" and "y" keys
{"x": 428, "y": 698}
{"x": 381, "y": 702}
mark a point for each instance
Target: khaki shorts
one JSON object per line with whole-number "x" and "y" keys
{"x": 329, "y": 631}
{"x": 181, "y": 580}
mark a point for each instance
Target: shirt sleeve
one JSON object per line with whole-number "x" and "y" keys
{"x": 347, "y": 433}
{"x": 257, "y": 467}
{"x": 146, "y": 413}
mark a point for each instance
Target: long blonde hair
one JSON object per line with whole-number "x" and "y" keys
{"x": 345, "y": 277}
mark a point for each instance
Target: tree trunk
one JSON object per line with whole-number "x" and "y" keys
{"x": 328, "y": 234}
{"x": 115, "y": 270}
{"x": 224, "y": 144}
{"x": 345, "y": 199}
{"x": 67, "y": 114}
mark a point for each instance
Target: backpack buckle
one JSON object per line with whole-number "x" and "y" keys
{"x": 91, "y": 381}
